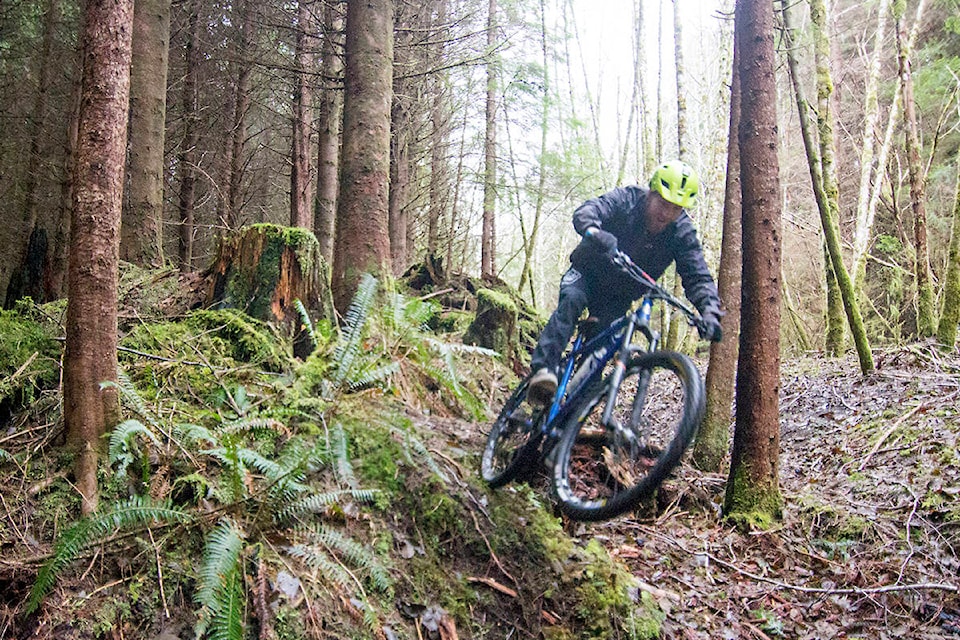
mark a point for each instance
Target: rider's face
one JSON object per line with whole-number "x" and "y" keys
{"x": 661, "y": 212}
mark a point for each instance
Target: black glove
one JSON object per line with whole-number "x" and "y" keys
{"x": 709, "y": 327}
{"x": 604, "y": 241}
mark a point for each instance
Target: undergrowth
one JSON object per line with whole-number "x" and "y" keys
{"x": 295, "y": 498}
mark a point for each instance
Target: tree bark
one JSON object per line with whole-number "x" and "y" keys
{"x": 141, "y": 231}
{"x": 488, "y": 243}
{"x": 712, "y": 445}
{"x": 328, "y": 142}
{"x": 828, "y": 219}
{"x": 301, "y": 178}
{"x": 91, "y": 325}
{"x": 925, "y": 316}
{"x": 240, "y": 106}
{"x": 871, "y": 118}
{"x": 753, "y": 494}
{"x": 187, "y": 160}
{"x": 950, "y": 316}
{"x": 362, "y": 237}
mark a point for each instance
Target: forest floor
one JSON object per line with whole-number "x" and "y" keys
{"x": 869, "y": 472}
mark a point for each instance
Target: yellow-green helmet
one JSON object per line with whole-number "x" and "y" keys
{"x": 677, "y": 182}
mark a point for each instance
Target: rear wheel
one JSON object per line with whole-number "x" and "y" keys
{"x": 603, "y": 471}
{"x": 514, "y": 441}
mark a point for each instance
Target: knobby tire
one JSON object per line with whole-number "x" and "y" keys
{"x": 598, "y": 474}
{"x": 513, "y": 443}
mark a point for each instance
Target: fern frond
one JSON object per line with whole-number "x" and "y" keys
{"x": 306, "y": 322}
{"x": 318, "y": 502}
{"x": 370, "y": 375}
{"x": 230, "y": 613}
{"x": 135, "y": 512}
{"x": 123, "y": 448}
{"x": 348, "y": 347}
{"x": 255, "y": 426}
{"x": 342, "y": 457}
{"x": 192, "y": 435}
{"x": 221, "y": 559}
{"x": 357, "y": 554}
{"x": 317, "y": 558}
{"x": 421, "y": 449}
{"x": 132, "y": 399}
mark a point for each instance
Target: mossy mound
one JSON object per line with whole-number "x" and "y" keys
{"x": 29, "y": 355}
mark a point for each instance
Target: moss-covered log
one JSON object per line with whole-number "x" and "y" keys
{"x": 263, "y": 269}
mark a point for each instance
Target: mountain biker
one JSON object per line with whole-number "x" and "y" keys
{"x": 651, "y": 226}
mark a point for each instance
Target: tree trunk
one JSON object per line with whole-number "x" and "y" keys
{"x": 399, "y": 182}
{"x": 328, "y": 143}
{"x": 712, "y": 445}
{"x": 141, "y": 231}
{"x": 187, "y": 160}
{"x": 237, "y": 135}
{"x": 531, "y": 242}
{"x": 827, "y": 208}
{"x": 681, "y": 88}
{"x": 950, "y": 316}
{"x": 488, "y": 243}
{"x": 439, "y": 138}
{"x": 28, "y": 276}
{"x": 925, "y": 316}
{"x": 301, "y": 180}
{"x": 835, "y": 307}
{"x": 871, "y": 118}
{"x": 91, "y": 326}
{"x": 362, "y": 237}
{"x": 753, "y": 494}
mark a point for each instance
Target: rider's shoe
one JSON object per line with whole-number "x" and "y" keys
{"x": 543, "y": 385}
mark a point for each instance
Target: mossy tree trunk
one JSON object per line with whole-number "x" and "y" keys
{"x": 947, "y": 330}
{"x": 301, "y": 171}
{"x": 712, "y": 445}
{"x": 925, "y": 319}
{"x": 187, "y": 158}
{"x": 752, "y": 491}
{"x": 90, "y": 357}
{"x": 264, "y": 269}
{"x": 824, "y": 188}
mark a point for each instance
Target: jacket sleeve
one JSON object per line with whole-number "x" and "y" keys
{"x": 698, "y": 284}
{"x": 596, "y": 211}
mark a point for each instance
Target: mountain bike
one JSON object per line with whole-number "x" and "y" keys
{"x": 620, "y": 421}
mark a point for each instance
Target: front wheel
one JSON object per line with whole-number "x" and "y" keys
{"x": 514, "y": 440}
{"x": 602, "y": 471}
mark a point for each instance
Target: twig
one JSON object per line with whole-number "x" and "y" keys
{"x": 493, "y": 556}
{"x": 163, "y": 595}
{"x": 886, "y": 434}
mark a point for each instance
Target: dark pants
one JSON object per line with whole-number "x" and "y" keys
{"x": 577, "y": 292}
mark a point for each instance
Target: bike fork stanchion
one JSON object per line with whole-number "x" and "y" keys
{"x": 619, "y": 367}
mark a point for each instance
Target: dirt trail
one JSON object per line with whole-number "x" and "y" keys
{"x": 867, "y": 547}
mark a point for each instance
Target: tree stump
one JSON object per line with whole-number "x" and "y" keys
{"x": 495, "y": 325}
{"x": 264, "y": 268}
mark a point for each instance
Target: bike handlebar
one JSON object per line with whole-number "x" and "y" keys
{"x": 629, "y": 267}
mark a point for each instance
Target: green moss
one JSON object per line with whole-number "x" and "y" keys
{"x": 751, "y": 507}
{"x": 29, "y": 354}
{"x": 251, "y": 287}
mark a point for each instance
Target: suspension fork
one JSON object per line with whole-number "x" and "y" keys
{"x": 619, "y": 367}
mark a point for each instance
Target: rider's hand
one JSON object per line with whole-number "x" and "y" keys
{"x": 604, "y": 241}
{"x": 709, "y": 326}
